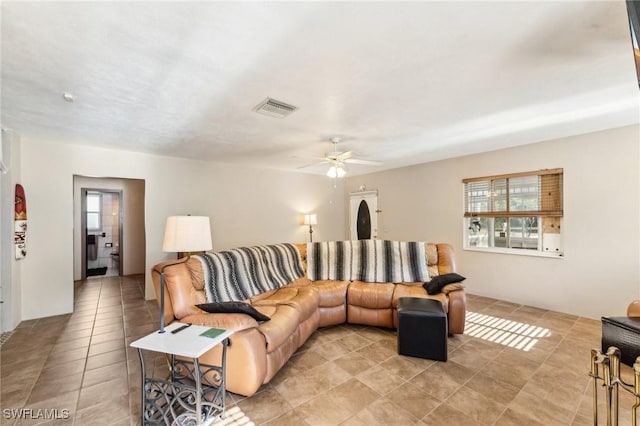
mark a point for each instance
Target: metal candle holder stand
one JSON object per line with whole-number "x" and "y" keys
{"x": 610, "y": 362}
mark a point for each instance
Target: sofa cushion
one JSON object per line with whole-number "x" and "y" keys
{"x": 452, "y": 287}
{"x": 304, "y": 299}
{"x": 332, "y": 315}
{"x": 332, "y": 293}
{"x": 435, "y": 285}
{"x": 284, "y": 322}
{"x": 233, "y": 308}
{"x": 368, "y": 316}
{"x": 368, "y": 295}
{"x": 416, "y": 290}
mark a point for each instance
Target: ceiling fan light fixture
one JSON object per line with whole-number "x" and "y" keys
{"x": 336, "y": 171}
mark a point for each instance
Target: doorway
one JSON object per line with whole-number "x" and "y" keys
{"x": 108, "y": 227}
{"x": 363, "y": 215}
{"x": 101, "y": 224}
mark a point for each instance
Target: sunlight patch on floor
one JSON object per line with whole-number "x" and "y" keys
{"x": 235, "y": 417}
{"x": 517, "y": 335}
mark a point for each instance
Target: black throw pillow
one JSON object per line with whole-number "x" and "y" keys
{"x": 233, "y": 308}
{"x": 435, "y": 285}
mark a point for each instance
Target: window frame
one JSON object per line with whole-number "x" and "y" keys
{"x": 98, "y": 212}
{"x": 480, "y": 206}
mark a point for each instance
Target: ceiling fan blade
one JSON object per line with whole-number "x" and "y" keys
{"x": 363, "y": 162}
{"x": 344, "y": 155}
{"x": 313, "y": 164}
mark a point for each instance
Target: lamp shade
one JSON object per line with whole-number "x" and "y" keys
{"x": 186, "y": 234}
{"x": 310, "y": 219}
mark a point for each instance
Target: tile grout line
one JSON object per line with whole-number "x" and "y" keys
{"x": 126, "y": 352}
{"x": 40, "y": 370}
{"x": 587, "y": 386}
{"x": 86, "y": 358}
{"x": 548, "y": 355}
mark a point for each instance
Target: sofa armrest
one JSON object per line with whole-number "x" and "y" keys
{"x": 633, "y": 310}
{"x": 452, "y": 287}
{"x": 235, "y": 322}
{"x": 457, "y": 311}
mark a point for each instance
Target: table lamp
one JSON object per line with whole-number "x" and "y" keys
{"x": 183, "y": 234}
{"x": 310, "y": 219}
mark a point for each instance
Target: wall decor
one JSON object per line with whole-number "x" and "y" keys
{"x": 20, "y": 224}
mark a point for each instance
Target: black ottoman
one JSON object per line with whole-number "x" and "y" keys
{"x": 422, "y": 328}
{"x": 624, "y": 334}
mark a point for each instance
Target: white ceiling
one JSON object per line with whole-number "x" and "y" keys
{"x": 403, "y": 83}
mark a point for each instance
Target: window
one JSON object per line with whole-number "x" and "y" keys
{"x": 520, "y": 212}
{"x": 94, "y": 202}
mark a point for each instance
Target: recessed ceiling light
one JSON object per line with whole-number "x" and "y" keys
{"x": 67, "y": 97}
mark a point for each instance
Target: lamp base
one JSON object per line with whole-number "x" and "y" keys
{"x": 182, "y": 254}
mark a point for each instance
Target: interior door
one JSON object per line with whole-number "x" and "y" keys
{"x": 363, "y": 215}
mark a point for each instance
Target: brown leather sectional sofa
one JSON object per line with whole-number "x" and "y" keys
{"x": 257, "y": 351}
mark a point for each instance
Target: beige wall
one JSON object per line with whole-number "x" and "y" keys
{"x": 246, "y": 206}
{"x": 133, "y": 248}
{"x": 598, "y": 276}
{"x": 600, "y": 273}
{"x": 10, "y": 268}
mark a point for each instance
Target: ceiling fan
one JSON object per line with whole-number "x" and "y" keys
{"x": 337, "y": 159}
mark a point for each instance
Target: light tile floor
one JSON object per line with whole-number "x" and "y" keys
{"x": 516, "y": 365}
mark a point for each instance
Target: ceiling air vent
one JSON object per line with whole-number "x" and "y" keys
{"x": 274, "y": 108}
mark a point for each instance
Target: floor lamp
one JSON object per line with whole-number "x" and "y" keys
{"x": 183, "y": 234}
{"x": 310, "y": 219}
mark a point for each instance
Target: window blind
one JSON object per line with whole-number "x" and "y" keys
{"x": 537, "y": 193}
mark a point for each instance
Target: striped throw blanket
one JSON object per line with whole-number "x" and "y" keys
{"x": 238, "y": 274}
{"x": 376, "y": 261}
